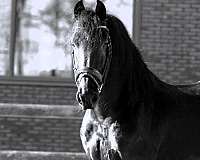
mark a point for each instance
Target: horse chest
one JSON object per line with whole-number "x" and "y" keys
{"x": 100, "y": 138}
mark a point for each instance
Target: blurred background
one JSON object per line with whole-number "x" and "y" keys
{"x": 38, "y": 110}
{"x": 39, "y": 32}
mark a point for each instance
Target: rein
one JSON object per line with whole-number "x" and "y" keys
{"x": 98, "y": 77}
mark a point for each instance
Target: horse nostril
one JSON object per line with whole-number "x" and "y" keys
{"x": 94, "y": 98}
{"x": 86, "y": 97}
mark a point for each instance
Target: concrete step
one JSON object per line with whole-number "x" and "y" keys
{"x": 39, "y": 110}
{"x": 36, "y": 127}
{"x": 29, "y": 155}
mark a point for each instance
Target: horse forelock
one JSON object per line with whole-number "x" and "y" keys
{"x": 84, "y": 29}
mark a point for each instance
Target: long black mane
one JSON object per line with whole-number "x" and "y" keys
{"x": 131, "y": 60}
{"x": 140, "y": 86}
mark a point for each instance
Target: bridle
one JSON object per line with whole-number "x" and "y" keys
{"x": 93, "y": 73}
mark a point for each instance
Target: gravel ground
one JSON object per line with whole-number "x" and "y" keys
{"x": 16, "y": 155}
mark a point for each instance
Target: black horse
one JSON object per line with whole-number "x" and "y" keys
{"x": 130, "y": 113}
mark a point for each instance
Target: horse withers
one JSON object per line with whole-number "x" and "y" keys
{"x": 130, "y": 114}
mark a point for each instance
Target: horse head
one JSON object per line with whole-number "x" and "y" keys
{"x": 91, "y": 52}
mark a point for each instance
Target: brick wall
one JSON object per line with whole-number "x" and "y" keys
{"x": 170, "y": 39}
{"x": 40, "y": 134}
{"x": 31, "y": 127}
{"x": 37, "y": 92}
{"x": 36, "y": 116}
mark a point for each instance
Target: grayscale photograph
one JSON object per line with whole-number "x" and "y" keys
{"x": 99, "y": 80}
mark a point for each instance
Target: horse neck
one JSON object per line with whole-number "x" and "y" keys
{"x": 126, "y": 85}
{"x": 128, "y": 81}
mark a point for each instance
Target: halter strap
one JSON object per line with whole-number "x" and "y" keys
{"x": 104, "y": 27}
{"x": 89, "y": 72}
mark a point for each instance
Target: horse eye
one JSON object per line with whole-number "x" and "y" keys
{"x": 104, "y": 34}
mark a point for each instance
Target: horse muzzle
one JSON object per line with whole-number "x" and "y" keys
{"x": 87, "y": 94}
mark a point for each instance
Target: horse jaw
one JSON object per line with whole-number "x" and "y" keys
{"x": 91, "y": 4}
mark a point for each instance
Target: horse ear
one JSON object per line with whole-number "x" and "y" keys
{"x": 79, "y": 7}
{"x": 101, "y": 10}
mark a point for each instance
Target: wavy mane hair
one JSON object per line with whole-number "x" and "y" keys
{"x": 131, "y": 61}
{"x": 140, "y": 85}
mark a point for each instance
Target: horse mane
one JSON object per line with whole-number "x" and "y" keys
{"x": 141, "y": 79}
{"x": 143, "y": 87}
